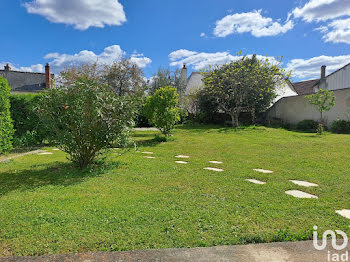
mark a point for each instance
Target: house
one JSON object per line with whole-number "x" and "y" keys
{"x": 27, "y": 82}
{"x": 297, "y": 108}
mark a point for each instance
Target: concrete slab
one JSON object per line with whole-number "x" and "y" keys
{"x": 344, "y": 213}
{"x": 302, "y": 251}
{"x": 181, "y": 162}
{"x": 56, "y": 149}
{"x": 215, "y": 162}
{"x": 182, "y": 156}
{"x": 303, "y": 183}
{"x": 299, "y": 194}
{"x": 263, "y": 171}
{"x": 256, "y": 181}
{"x": 149, "y": 157}
{"x": 46, "y": 153}
{"x": 214, "y": 169}
{"x": 148, "y": 153}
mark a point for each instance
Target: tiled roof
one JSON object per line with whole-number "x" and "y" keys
{"x": 305, "y": 87}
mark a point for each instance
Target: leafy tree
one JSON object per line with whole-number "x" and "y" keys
{"x": 323, "y": 100}
{"x": 85, "y": 117}
{"x": 124, "y": 76}
{"x": 191, "y": 103}
{"x": 246, "y": 84}
{"x": 162, "y": 109}
{"x": 6, "y": 126}
{"x": 164, "y": 77}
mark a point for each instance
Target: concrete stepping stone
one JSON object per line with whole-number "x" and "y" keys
{"x": 55, "y": 149}
{"x": 299, "y": 194}
{"x": 263, "y": 171}
{"x": 148, "y": 153}
{"x": 256, "y": 181}
{"x": 215, "y": 162}
{"x": 182, "y": 156}
{"x": 46, "y": 153}
{"x": 303, "y": 183}
{"x": 213, "y": 169}
{"x": 181, "y": 162}
{"x": 149, "y": 157}
{"x": 344, "y": 213}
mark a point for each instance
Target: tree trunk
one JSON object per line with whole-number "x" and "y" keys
{"x": 253, "y": 116}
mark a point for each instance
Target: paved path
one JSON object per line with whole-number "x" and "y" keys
{"x": 23, "y": 154}
{"x": 273, "y": 252}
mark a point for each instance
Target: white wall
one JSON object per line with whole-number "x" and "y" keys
{"x": 295, "y": 109}
{"x": 339, "y": 80}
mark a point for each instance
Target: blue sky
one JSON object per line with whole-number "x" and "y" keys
{"x": 154, "y": 33}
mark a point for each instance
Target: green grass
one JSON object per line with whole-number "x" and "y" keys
{"x": 48, "y": 207}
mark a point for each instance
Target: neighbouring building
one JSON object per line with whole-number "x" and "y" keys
{"x": 27, "y": 82}
{"x": 294, "y": 109}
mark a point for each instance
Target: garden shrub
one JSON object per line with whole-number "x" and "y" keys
{"x": 341, "y": 127}
{"x": 162, "y": 109}
{"x": 28, "y": 128}
{"x": 308, "y": 125}
{"x": 86, "y": 117}
{"x": 6, "y": 126}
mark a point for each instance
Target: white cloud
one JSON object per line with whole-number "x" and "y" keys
{"x": 339, "y": 32}
{"x": 109, "y": 55}
{"x": 201, "y": 60}
{"x": 322, "y": 10}
{"x": 140, "y": 60}
{"x": 251, "y": 22}
{"x": 82, "y": 14}
{"x": 33, "y": 68}
{"x": 203, "y": 35}
{"x": 311, "y": 68}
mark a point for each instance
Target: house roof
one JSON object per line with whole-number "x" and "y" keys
{"x": 305, "y": 87}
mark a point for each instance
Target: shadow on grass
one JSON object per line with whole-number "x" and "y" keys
{"x": 57, "y": 174}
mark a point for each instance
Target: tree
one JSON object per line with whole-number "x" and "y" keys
{"x": 162, "y": 109}
{"x": 124, "y": 76}
{"x": 6, "y": 126}
{"x": 165, "y": 77}
{"x": 245, "y": 84}
{"x": 323, "y": 100}
{"x": 191, "y": 103}
{"x": 85, "y": 117}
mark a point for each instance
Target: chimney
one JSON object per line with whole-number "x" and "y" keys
{"x": 7, "y": 67}
{"x": 323, "y": 72}
{"x": 47, "y": 75}
{"x": 183, "y": 83}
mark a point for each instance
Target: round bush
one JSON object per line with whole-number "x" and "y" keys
{"x": 341, "y": 127}
{"x": 307, "y": 125}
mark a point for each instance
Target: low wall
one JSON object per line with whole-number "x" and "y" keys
{"x": 295, "y": 109}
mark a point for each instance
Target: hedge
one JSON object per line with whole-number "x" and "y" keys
{"x": 28, "y": 128}
{"x": 6, "y": 126}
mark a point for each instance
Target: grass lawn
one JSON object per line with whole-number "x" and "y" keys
{"x": 48, "y": 207}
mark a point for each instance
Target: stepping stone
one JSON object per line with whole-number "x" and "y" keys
{"x": 256, "y": 181}
{"x": 181, "y": 162}
{"x": 148, "y": 153}
{"x": 46, "y": 153}
{"x": 344, "y": 213}
{"x": 299, "y": 194}
{"x": 55, "y": 149}
{"x": 149, "y": 157}
{"x": 182, "y": 156}
{"x": 215, "y": 162}
{"x": 214, "y": 169}
{"x": 303, "y": 183}
{"x": 263, "y": 171}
